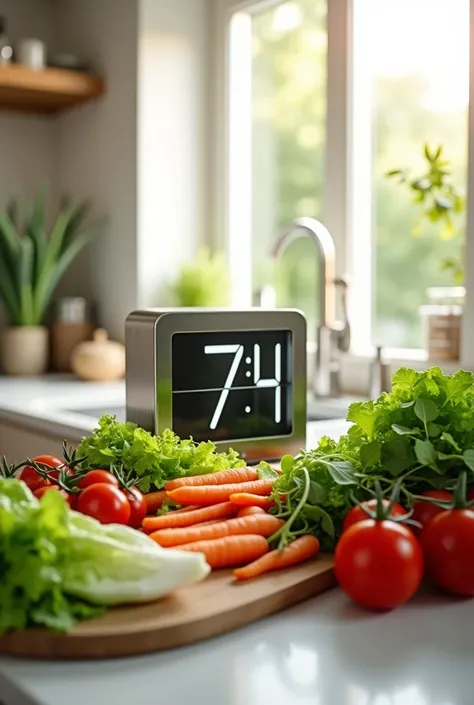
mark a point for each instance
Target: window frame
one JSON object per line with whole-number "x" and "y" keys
{"x": 339, "y": 202}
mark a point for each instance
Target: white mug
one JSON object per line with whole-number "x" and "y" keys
{"x": 31, "y": 53}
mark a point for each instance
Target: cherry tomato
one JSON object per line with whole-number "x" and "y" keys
{"x": 31, "y": 478}
{"x": 71, "y": 499}
{"x": 138, "y": 506}
{"x": 105, "y": 503}
{"x": 93, "y": 477}
{"x": 379, "y": 564}
{"x": 357, "y": 514}
{"x": 448, "y": 545}
{"x": 51, "y": 462}
{"x": 423, "y": 512}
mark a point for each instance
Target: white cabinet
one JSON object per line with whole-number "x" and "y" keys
{"x": 17, "y": 443}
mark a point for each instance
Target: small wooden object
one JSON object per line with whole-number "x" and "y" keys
{"x": 99, "y": 360}
{"x": 215, "y": 606}
{"x": 46, "y": 91}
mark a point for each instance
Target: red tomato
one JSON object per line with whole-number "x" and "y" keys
{"x": 138, "y": 506}
{"x": 379, "y": 564}
{"x": 93, "y": 477}
{"x": 423, "y": 512}
{"x": 71, "y": 499}
{"x": 470, "y": 495}
{"x": 51, "y": 462}
{"x": 31, "y": 478}
{"x": 105, "y": 503}
{"x": 357, "y": 514}
{"x": 448, "y": 545}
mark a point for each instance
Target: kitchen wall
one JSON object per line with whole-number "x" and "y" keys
{"x": 97, "y": 152}
{"x": 140, "y": 153}
{"x": 173, "y": 138}
{"x": 27, "y": 142}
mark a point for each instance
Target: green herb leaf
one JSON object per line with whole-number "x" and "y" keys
{"x": 445, "y": 436}
{"x": 370, "y": 454}
{"x": 468, "y": 457}
{"x": 317, "y": 494}
{"x": 342, "y": 472}
{"x": 266, "y": 472}
{"x": 405, "y": 431}
{"x": 362, "y": 414}
{"x": 434, "y": 430}
{"x": 287, "y": 463}
{"x": 425, "y": 453}
{"x": 426, "y": 410}
{"x": 397, "y": 455}
{"x": 404, "y": 380}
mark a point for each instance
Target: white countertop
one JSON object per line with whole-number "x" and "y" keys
{"x": 325, "y": 651}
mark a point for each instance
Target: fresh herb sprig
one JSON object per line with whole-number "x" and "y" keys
{"x": 420, "y": 435}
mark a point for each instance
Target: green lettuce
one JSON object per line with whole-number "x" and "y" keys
{"x": 58, "y": 566}
{"x": 153, "y": 459}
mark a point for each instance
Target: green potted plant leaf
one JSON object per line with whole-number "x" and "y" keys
{"x": 441, "y": 203}
{"x": 33, "y": 259}
{"x": 203, "y": 282}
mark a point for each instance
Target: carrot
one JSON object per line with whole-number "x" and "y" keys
{"x": 221, "y": 477}
{"x": 229, "y": 550}
{"x": 195, "y": 516}
{"x": 298, "y": 551}
{"x": 209, "y": 494}
{"x": 261, "y": 524}
{"x": 154, "y": 500}
{"x": 246, "y": 499}
{"x": 248, "y": 511}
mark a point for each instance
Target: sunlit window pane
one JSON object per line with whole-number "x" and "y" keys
{"x": 413, "y": 59}
{"x": 288, "y": 136}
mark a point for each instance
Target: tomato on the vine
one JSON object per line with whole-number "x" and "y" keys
{"x": 379, "y": 564}
{"x": 71, "y": 499}
{"x": 423, "y": 512}
{"x": 138, "y": 506}
{"x": 32, "y": 479}
{"x": 104, "y": 502}
{"x": 93, "y": 477}
{"x": 51, "y": 462}
{"x": 357, "y": 514}
{"x": 448, "y": 546}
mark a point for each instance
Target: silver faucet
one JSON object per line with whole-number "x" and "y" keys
{"x": 331, "y": 336}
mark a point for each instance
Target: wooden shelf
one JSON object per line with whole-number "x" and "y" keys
{"x": 46, "y": 91}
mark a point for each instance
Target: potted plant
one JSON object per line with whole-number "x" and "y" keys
{"x": 33, "y": 259}
{"x": 442, "y": 204}
{"x": 204, "y": 282}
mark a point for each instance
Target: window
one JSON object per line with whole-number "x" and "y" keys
{"x": 411, "y": 87}
{"x": 405, "y": 66}
{"x": 287, "y": 111}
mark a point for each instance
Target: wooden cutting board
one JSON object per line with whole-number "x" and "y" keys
{"x": 212, "y": 607}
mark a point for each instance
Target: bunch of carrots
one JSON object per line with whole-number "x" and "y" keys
{"x": 224, "y": 515}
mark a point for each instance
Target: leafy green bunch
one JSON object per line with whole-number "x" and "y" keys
{"x": 153, "y": 459}
{"x": 421, "y": 434}
{"x": 34, "y": 257}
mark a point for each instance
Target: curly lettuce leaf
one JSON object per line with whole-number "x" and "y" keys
{"x": 153, "y": 459}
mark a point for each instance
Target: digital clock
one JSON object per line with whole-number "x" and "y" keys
{"x": 237, "y": 378}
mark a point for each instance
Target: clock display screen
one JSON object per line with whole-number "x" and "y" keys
{"x": 231, "y": 385}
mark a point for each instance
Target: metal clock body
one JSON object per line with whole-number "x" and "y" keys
{"x": 237, "y": 378}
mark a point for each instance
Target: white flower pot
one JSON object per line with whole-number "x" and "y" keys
{"x": 24, "y": 350}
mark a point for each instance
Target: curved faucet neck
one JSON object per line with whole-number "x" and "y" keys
{"x": 303, "y": 227}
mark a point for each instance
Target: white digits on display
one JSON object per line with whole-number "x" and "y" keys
{"x": 238, "y": 351}
{"x": 271, "y": 381}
